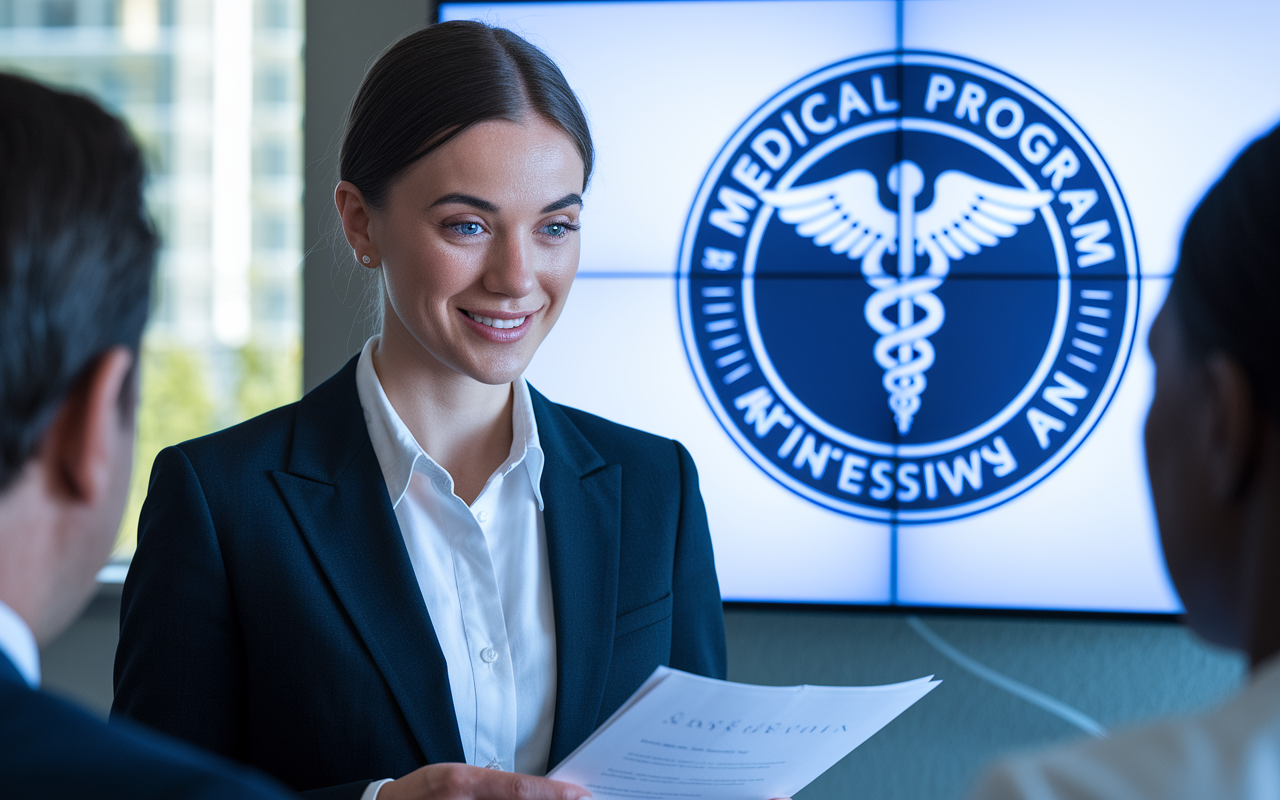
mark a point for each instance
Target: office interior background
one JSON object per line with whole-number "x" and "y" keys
{"x": 239, "y": 105}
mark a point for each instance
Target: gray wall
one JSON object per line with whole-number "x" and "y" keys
{"x": 343, "y": 38}
{"x": 1117, "y": 672}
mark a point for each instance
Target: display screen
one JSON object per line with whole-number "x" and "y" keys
{"x": 887, "y": 270}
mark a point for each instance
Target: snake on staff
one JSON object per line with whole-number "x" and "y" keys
{"x": 844, "y": 214}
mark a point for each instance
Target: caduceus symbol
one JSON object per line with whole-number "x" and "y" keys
{"x": 845, "y": 214}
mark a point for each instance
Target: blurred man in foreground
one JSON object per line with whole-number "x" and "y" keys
{"x": 76, "y": 257}
{"x": 1213, "y": 456}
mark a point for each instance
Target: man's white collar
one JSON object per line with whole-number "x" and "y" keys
{"x": 19, "y": 645}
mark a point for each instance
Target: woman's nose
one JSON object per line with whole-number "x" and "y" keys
{"x": 509, "y": 269}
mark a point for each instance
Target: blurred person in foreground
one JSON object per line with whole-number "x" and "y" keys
{"x": 1213, "y": 457}
{"x": 76, "y": 256}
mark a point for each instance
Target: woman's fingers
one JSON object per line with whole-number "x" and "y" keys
{"x": 465, "y": 782}
{"x": 498, "y": 785}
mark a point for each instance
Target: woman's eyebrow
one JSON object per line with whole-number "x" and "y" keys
{"x": 571, "y": 199}
{"x": 468, "y": 200}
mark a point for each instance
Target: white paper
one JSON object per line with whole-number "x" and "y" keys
{"x": 694, "y": 738}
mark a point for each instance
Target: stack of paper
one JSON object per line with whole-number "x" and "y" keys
{"x": 689, "y": 737}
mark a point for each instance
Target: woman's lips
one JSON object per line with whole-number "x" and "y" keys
{"x": 497, "y": 322}
{"x": 504, "y": 328}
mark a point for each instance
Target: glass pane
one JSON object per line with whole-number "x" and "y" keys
{"x": 213, "y": 91}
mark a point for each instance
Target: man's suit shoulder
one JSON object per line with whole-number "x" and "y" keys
{"x": 48, "y": 747}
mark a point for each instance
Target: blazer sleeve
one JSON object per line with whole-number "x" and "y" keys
{"x": 180, "y": 666}
{"x": 697, "y": 617}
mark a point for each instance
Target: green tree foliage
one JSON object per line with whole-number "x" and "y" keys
{"x": 176, "y": 405}
{"x": 268, "y": 379}
{"x": 179, "y": 403}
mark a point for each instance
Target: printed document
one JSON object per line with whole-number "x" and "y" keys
{"x": 687, "y": 737}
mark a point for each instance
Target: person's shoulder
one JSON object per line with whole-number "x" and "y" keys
{"x": 617, "y": 442}
{"x": 274, "y": 423}
{"x": 50, "y": 747}
{"x": 264, "y": 437}
{"x": 1216, "y": 753}
{"x": 596, "y": 427}
{"x": 264, "y": 442}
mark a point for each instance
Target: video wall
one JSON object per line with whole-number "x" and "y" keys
{"x": 887, "y": 270}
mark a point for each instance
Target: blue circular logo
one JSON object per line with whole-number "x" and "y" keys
{"x": 908, "y": 287}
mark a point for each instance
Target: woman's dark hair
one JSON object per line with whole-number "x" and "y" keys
{"x": 1227, "y": 287}
{"x": 76, "y": 254}
{"x": 439, "y": 81}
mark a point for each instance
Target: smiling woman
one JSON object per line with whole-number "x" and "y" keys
{"x": 473, "y": 282}
{"x": 425, "y": 568}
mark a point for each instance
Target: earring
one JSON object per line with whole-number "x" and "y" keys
{"x": 365, "y": 259}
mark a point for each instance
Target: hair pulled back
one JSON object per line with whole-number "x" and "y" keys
{"x": 1227, "y": 287}
{"x": 437, "y": 82}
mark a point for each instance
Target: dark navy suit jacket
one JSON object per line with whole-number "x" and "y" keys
{"x": 51, "y": 749}
{"x": 271, "y": 613}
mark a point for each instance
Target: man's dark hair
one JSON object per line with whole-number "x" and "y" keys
{"x": 1227, "y": 287}
{"x": 439, "y": 81}
{"x": 77, "y": 252}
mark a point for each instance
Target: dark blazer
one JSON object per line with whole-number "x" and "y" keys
{"x": 271, "y": 613}
{"x": 49, "y": 748}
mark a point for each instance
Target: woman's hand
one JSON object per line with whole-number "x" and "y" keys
{"x": 465, "y": 782}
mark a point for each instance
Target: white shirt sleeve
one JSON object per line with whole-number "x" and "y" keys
{"x": 1231, "y": 752}
{"x": 371, "y": 791}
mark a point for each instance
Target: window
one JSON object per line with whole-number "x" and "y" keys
{"x": 225, "y": 190}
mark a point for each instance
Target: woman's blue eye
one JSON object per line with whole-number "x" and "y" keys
{"x": 557, "y": 230}
{"x": 468, "y": 228}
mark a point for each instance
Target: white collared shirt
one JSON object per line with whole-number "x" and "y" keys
{"x": 18, "y": 644}
{"x": 1231, "y": 752}
{"x": 484, "y": 574}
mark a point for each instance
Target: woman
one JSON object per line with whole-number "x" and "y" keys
{"x": 425, "y": 561}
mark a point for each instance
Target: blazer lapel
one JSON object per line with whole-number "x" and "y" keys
{"x": 335, "y": 490}
{"x": 583, "y": 518}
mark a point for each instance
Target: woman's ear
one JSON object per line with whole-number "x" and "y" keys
{"x": 1235, "y": 429}
{"x": 356, "y": 216}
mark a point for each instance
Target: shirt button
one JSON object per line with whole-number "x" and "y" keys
{"x": 488, "y": 655}
{"x": 483, "y": 516}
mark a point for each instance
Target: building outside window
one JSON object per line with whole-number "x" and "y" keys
{"x": 213, "y": 91}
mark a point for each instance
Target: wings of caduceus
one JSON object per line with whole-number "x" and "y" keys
{"x": 967, "y": 214}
